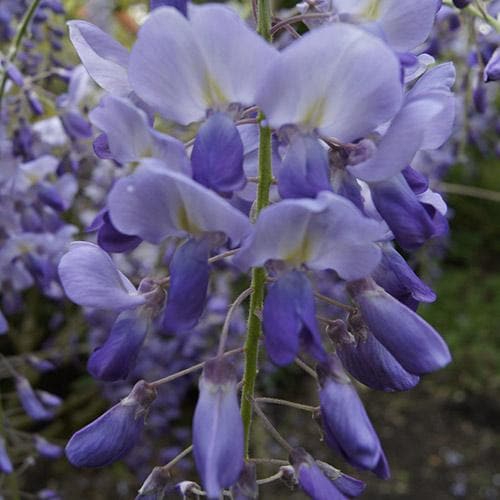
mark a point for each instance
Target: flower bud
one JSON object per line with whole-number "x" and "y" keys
{"x": 218, "y": 428}
{"x": 113, "y": 434}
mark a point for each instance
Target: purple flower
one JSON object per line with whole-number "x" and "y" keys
{"x": 305, "y": 170}
{"x": 112, "y": 435}
{"x": 412, "y": 341}
{"x": 347, "y": 427}
{"x": 31, "y": 403}
{"x": 156, "y": 202}
{"x": 347, "y": 98}
{"x": 492, "y": 69}
{"x": 46, "y": 449}
{"x": 318, "y": 485}
{"x": 289, "y": 320}
{"x": 182, "y": 67}
{"x": 217, "y": 156}
{"x": 6, "y": 466}
{"x": 116, "y": 357}
{"x": 218, "y": 428}
{"x": 328, "y": 232}
{"x": 189, "y": 275}
{"x": 90, "y": 278}
{"x": 104, "y": 58}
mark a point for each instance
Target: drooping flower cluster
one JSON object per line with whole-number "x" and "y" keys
{"x": 300, "y": 161}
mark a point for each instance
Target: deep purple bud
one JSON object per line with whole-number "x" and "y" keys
{"x": 368, "y": 361}
{"x": 14, "y": 74}
{"x": 492, "y": 69}
{"x": 461, "y": 4}
{"x": 289, "y": 319}
{"x": 101, "y": 147}
{"x": 111, "y": 240}
{"x": 396, "y": 277}
{"x": 46, "y": 449}
{"x": 411, "y": 340}
{"x": 180, "y": 5}
{"x": 49, "y": 195}
{"x": 48, "y": 399}
{"x": 407, "y": 218}
{"x": 312, "y": 479}
{"x": 347, "y": 427}
{"x": 189, "y": 275}
{"x": 116, "y": 357}
{"x": 35, "y": 104}
{"x": 304, "y": 171}
{"x": 112, "y": 435}
{"x": 75, "y": 125}
{"x": 218, "y": 428}
{"x": 217, "y": 157}
{"x": 246, "y": 488}
{"x": 417, "y": 181}
{"x": 480, "y": 97}
{"x": 30, "y": 401}
{"x": 348, "y": 485}
{"x": 5, "y": 463}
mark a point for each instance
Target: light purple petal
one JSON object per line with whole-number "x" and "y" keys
{"x": 103, "y": 57}
{"x": 90, "y": 278}
{"x": 326, "y": 233}
{"x": 155, "y": 203}
{"x": 167, "y": 69}
{"x": 347, "y": 98}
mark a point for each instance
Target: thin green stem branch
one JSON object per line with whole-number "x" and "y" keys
{"x": 478, "y": 10}
{"x": 16, "y": 43}
{"x": 254, "y": 326}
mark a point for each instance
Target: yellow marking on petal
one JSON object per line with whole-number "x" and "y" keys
{"x": 184, "y": 223}
{"x": 213, "y": 94}
{"x": 314, "y": 115}
{"x": 300, "y": 254}
{"x": 372, "y": 11}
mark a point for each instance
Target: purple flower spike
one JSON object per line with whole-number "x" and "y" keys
{"x": 492, "y": 69}
{"x": 346, "y": 424}
{"x": 116, "y": 357}
{"x": 104, "y": 58}
{"x": 108, "y": 438}
{"x": 289, "y": 319}
{"x": 90, "y": 278}
{"x": 304, "y": 171}
{"x": 189, "y": 275}
{"x": 31, "y": 403}
{"x": 312, "y": 478}
{"x": 180, "y": 5}
{"x": 218, "y": 428}
{"x": 411, "y": 340}
{"x": 6, "y": 466}
{"x": 326, "y": 233}
{"x": 217, "y": 157}
{"x": 156, "y": 202}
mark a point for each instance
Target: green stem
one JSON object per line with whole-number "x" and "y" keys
{"x": 16, "y": 43}
{"x": 254, "y": 326}
{"x": 478, "y": 10}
